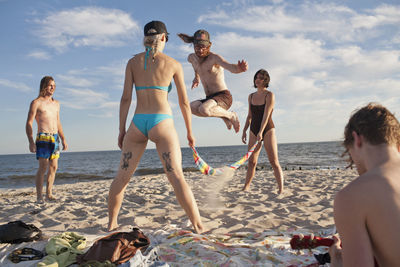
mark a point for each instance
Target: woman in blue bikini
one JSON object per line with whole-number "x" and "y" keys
{"x": 152, "y": 72}
{"x": 262, "y": 128}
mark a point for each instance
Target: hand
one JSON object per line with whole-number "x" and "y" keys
{"x": 190, "y": 139}
{"x": 259, "y": 137}
{"x": 65, "y": 145}
{"x": 243, "y": 66}
{"x": 195, "y": 83}
{"x": 32, "y": 147}
{"x": 121, "y": 138}
{"x": 244, "y": 137}
{"x": 335, "y": 252}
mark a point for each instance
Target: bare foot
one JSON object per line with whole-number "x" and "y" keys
{"x": 51, "y": 198}
{"x": 199, "y": 228}
{"x": 235, "y": 121}
{"x": 228, "y": 123}
{"x": 246, "y": 188}
{"x": 40, "y": 200}
{"x": 112, "y": 227}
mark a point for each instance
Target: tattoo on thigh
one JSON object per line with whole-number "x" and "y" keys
{"x": 127, "y": 157}
{"x": 166, "y": 157}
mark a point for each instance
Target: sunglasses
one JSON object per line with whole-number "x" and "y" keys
{"x": 200, "y": 46}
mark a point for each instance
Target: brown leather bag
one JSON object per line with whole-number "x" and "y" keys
{"x": 117, "y": 247}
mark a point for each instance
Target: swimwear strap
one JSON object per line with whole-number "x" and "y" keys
{"x": 148, "y": 49}
{"x": 19, "y": 255}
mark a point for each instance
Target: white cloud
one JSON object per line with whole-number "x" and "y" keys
{"x": 87, "y": 26}
{"x": 382, "y": 15}
{"x": 327, "y": 21}
{"x": 43, "y": 55}
{"x": 15, "y": 85}
{"x": 83, "y": 98}
{"x": 75, "y": 81}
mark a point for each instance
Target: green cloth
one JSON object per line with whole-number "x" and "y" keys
{"x": 62, "y": 250}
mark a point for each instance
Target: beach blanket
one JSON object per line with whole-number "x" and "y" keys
{"x": 184, "y": 248}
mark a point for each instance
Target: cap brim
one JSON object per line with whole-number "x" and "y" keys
{"x": 201, "y": 42}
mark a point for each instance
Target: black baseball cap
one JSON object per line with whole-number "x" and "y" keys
{"x": 155, "y": 27}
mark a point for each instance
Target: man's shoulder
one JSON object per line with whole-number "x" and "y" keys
{"x": 191, "y": 56}
{"x": 214, "y": 56}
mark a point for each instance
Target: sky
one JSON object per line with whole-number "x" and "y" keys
{"x": 325, "y": 59}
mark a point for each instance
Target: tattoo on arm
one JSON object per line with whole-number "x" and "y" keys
{"x": 127, "y": 157}
{"x": 167, "y": 159}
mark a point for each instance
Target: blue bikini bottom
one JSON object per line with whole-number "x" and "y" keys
{"x": 144, "y": 122}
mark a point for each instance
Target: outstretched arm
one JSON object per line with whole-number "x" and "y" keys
{"x": 125, "y": 103}
{"x": 248, "y": 121}
{"x": 241, "y": 66}
{"x": 184, "y": 102}
{"x": 28, "y": 126}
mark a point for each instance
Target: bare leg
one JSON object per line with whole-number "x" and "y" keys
{"x": 271, "y": 147}
{"x": 252, "y": 163}
{"x": 132, "y": 150}
{"x": 210, "y": 108}
{"x": 51, "y": 175}
{"x": 43, "y": 164}
{"x": 167, "y": 143}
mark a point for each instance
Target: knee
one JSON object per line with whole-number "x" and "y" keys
{"x": 275, "y": 164}
{"x": 122, "y": 178}
{"x": 252, "y": 163}
{"x": 53, "y": 168}
{"x": 205, "y": 111}
{"x": 42, "y": 169}
{"x": 193, "y": 106}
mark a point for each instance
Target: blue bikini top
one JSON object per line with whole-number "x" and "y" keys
{"x": 164, "y": 88}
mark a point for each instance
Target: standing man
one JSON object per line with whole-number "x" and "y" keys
{"x": 367, "y": 211}
{"x": 209, "y": 68}
{"x": 46, "y": 111}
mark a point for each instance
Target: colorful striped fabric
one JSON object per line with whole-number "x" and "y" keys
{"x": 208, "y": 170}
{"x": 240, "y": 162}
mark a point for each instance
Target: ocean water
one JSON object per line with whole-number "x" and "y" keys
{"x": 19, "y": 170}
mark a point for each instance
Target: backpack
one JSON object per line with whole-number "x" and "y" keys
{"x": 117, "y": 247}
{"x": 18, "y": 232}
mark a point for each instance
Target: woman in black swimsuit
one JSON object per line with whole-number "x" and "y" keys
{"x": 262, "y": 128}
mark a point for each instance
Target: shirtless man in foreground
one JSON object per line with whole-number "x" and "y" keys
{"x": 367, "y": 211}
{"x": 46, "y": 111}
{"x": 209, "y": 68}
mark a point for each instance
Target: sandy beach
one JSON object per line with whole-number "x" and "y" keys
{"x": 150, "y": 204}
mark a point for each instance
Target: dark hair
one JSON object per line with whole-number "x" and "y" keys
{"x": 375, "y": 123}
{"x": 43, "y": 84}
{"x": 265, "y": 77}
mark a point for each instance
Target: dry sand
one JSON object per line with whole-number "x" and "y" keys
{"x": 150, "y": 203}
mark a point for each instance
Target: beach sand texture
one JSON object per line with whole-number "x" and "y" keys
{"x": 150, "y": 204}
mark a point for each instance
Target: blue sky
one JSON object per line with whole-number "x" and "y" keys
{"x": 325, "y": 58}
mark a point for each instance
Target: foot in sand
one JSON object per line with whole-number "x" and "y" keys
{"x": 199, "y": 229}
{"x": 235, "y": 121}
{"x": 111, "y": 228}
{"x": 228, "y": 123}
{"x": 246, "y": 188}
{"x": 51, "y": 198}
{"x": 40, "y": 201}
